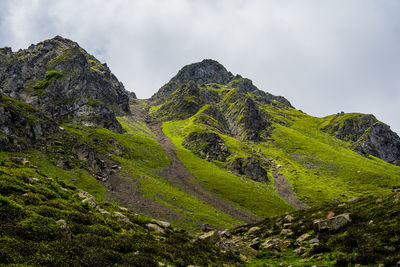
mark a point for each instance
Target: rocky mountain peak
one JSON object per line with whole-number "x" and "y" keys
{"x": 206, "y": 71}
{"x": 65, "y": 82}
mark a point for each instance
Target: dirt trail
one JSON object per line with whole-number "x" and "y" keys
{"x": 126, "y": 191}
{"x": 285, "y": 191}
{"x": 177, "y": 174}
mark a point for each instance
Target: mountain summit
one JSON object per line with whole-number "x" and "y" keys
{"x": 61, "y": 79}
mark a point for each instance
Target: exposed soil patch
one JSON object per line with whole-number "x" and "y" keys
{"x": 285, "y": 191}
{"x": 126, "y": 191}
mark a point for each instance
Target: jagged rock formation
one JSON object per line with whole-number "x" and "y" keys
{"x": 206, "y": 71}
{"x": 234, "y": 100}
{"x": 207, "y": 145}
{"x": 252, "y": 167}
{"x": 368, "y": 136}
{"x": 22, "y": 126}
{"x": 65, "y": 82}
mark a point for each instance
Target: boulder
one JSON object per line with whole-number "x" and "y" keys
{"x": 253, "y": 229}
{"x": 211, "y": 236}
{"x": 302, "y": 238}
{"x": 252, "y": 167}
{"x": 121, "y": 217}
{"x": 332, "y": 224}
{"x": 155, "y": 228}
{"x": 63, "y": 226}
{"x": 163, "y": 224}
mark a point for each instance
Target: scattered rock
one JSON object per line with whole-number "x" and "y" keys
{"x": 103, "y": 211}
{"x": 90, "y": 202}
{"x": 314, "y": 240}
{"x": 210, "y": 236}
{"x": 299, "y": 250}
{"x": 120, "y": 217}
{"x": 379, "y": 200}
{"x": 302, "y": 238}
{"x": 288, "y": 218}
{"x": 163, "y": 224}
{"x": 226, "y": 234}
{"x": 286, "y": 232}
{"x": 353, "y": 199}
{"x": 253, "y": 229}
{"x": 63, "y": 225}
{"x": 33, "y": 180}
{"x": 155, "y": 228}
{"x": 332, "y": 224}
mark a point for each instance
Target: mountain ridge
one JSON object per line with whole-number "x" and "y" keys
{"x": 208, "y": 152}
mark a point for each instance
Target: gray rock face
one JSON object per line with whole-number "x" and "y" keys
{"x": 251, "y": 167}
{"x": 352, "y": 128}
{"x": 244, "y": 120}
{"x": 380, "y": 142}
{"x": 368, "y": 135}
{"x": 207, "y": 145}
{"x": 206, "y": 71}
{"x": 22, "y": 126}
{"x": 65, "y": 82}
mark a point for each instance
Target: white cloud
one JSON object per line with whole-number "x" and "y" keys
{"x": 324, "y": 56}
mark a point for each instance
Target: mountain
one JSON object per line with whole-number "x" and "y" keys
{"x": 65, "y": 82}
{"x": 87, "y": 169}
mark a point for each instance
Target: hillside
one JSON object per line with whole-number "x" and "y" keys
{"x": 208, "y": 151}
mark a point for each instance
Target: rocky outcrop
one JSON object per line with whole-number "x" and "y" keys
{"x": 206, "y": 71}
{"x": 245, "y": 120}
{"x": 381, "y": 142}
{"x": 21, "y": 126}
{"x": 332, "y": 224}
{"x": 251, "y": 167}
{"x": 368, "y": 136}
{"x": 65, "y": 82}
{"x": 207, "y": 145}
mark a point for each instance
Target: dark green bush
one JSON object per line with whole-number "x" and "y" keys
{"x": 10, "y": 211}
{"x": 39, "y": 228}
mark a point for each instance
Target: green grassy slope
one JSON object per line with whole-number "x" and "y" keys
{"x": 46, "y": 222}
{"x": 261, "y": 199}
{"x": 319, "y": 167}
{"x": 140, "y": 157}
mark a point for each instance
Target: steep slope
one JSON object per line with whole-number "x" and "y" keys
{"x": 362, "y": 232}
{"x": 246, "y": 133}
{"x": 367, "y": 135}
{"x": 45, "y": 222}
{"x": 65, "y": 82}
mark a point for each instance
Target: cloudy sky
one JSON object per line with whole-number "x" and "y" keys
{"x": 324, "y": 56}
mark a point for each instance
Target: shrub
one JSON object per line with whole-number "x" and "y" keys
{"x": 10, "y": 211}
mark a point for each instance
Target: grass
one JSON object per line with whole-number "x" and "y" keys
{"x": 30, "y": 234}
{"x": 140, "y": 155}
{"x": 260, "y": 199}
{"x": 322, "y": 168}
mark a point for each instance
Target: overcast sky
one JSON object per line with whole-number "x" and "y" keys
{"x": 324, "y": 56}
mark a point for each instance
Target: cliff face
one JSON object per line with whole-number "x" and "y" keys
{"x": 65, "y": 82}
{"x": 367, "y": 135}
